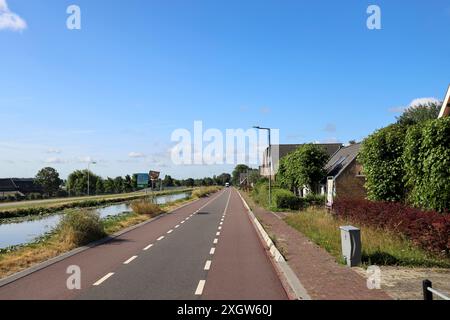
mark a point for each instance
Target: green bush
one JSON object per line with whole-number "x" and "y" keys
{"x": 80, "y": 227}
{"x": 426, "y": 161}
{"x": 284, "y": 199}
{"x": 381, "y": 155}
{"x": 313, "y": 199}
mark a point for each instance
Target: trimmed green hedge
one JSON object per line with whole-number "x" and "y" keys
{"x": 284, "y": 199}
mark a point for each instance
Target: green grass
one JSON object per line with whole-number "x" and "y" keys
{"x": 379, "y": 247}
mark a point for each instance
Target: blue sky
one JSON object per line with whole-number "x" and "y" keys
{"x": 137, "y": 70}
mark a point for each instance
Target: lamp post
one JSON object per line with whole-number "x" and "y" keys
{"x": 270, "y": 162}
{"x": 88, "y": 171}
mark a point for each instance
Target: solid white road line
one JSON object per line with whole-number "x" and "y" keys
{"x": 170, "y": 231}
{"x": 200, "y": 287}
{"x": 131, "y": 259}
{"x": 207, "y": 265}
{"x": 216, "y": 241}
{"x": 99, "y": 282}
{"x": 160, "y": 238}
{"x": 148, "y": 247}
{"x": 212, "y": 251}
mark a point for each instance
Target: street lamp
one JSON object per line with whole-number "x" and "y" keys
{"x": 88, "y": 171}
{"x": 270, "y": 162}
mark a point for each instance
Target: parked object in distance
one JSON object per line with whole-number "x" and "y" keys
{"x": 227, "y": 185}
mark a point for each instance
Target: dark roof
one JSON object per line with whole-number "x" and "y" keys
{"x": 341, "y": 159}
{"x": 21, "y": 185}
{"x": 330, "y": 148}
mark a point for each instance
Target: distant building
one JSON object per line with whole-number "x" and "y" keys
{"x": 272, "y": 159}
{"x": 445, "y": 111}
{"x": 15, "y": 186}
{"x": 346, "y": 172}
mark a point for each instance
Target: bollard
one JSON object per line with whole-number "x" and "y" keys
{"x": 427, "y": 294}
{"x": 351, "y": 245}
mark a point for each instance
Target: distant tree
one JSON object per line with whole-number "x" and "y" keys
{"x": 420, "y": 113}
{"x": 99, "y": 189}
{"x": 189, "y": 182}
{"x": 223, "y": 178}
{"x": 208, "y": 181}
{"x": 49, "y": 179}
{"x": 134, "y": 182}
{"x": 77, "y": 182}
{"x": 168, "y": 181}
{"x": 303, "y": 167}
{"x": 118, "y": 185}
{"x": 240, "y": 168}
{"x": 109, "y": 186}
{"x": 128, "y": 184}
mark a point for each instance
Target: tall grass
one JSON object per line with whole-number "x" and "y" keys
{"x": 145, "y": 207}
{"x": 204, "y": 191}
{"x": 379, "y": 247}
{"x": 81, "y": 227}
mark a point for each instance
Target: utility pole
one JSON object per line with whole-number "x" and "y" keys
{"x": 270, "y": 162}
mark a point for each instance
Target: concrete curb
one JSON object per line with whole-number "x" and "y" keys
{"x": 283, "y": 269}
{"x": 45, "y": 264}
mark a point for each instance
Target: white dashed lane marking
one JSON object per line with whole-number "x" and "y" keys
{"x": 207, "y": 265}
{"x": 212, "y": 251}
{"x": 148, "y": 247}
{"x": 170, "y": 231}
{"x": 201, "y": 285}
{"x": 177, "y": 226}
{"x": 160, "y": 238}
{"x": 216, "y": 241}
{"x": 99, "y": 282}
{"x": 129, "y": 260}
{"x": 218, "y": 234}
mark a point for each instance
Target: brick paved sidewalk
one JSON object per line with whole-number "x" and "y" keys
{"x": 320, "y": 274}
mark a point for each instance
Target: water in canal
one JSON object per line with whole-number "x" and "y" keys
{"x": 22, "y": 232}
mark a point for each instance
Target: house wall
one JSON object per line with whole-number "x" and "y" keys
{"x": 350, "y": 183}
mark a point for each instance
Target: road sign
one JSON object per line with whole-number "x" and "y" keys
{"x": 154, "y": 175}
{"x": 142, "y": 180}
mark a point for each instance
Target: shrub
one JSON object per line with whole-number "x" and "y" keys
{"x": 381, "y": 156}
{"x": 80, "y": 227}
{"x": 284, "y": 199}
{"x": 313, "y": 199}
{"x": 429, "y": 230}
{"x": 427, "y": 164}
{"x": 146, "y": 207}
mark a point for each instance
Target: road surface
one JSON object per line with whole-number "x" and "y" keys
{"x": 206, "y": 250}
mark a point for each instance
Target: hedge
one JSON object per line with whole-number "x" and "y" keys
{"x": 429, "y": 230}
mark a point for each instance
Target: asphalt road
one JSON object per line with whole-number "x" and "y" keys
{"x": 205, "y": 250}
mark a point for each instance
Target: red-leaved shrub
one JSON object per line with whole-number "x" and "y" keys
{"x": 428, "y": 229}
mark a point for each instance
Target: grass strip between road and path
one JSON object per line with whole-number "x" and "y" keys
{"x": 379, "y": 247}
{"x": 24, "y": 209}
{"x": 61, "y": 241}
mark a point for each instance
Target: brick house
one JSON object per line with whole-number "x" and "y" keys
{"x": 445, "y": 111}
{"x": 345, "y": 174}
{"x": 272, "y": 158}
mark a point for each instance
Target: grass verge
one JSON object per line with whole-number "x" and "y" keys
{"x": 379, "y": 247}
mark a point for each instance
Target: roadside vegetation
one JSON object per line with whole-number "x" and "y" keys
{"x": 80, "y": 227}
{"x": 379, "y": 247}
{"x": 52, "y": 206}
{"x": 205, "y": 191}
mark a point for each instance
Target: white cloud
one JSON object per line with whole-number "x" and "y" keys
{"x": 55, "y": 161}
{"x": 136, "y": 155}
{"x": 415, "y": 103}
{"x": 10, "y": 20}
